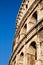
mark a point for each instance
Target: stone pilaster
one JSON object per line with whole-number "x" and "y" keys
{"x": 25, "y": 61}
{"x": 38, "y": 62}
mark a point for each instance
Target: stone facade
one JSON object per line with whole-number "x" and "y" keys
{"x": 27, "y": 46}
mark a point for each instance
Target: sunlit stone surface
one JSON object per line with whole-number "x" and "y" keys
{"x": 27, "y": 48}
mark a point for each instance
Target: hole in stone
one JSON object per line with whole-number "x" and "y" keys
{"x": 35, "y": 15}
{"x": 33, "y": 44}
{"x": 22, "y": 54}
{"x": 26, "y": 6}
{"x": 25, "y": 26}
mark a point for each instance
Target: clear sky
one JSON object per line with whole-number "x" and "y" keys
{"x": 8, "y": 13}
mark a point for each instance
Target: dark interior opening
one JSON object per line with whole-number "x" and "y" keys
{"x": 35, "y": 15}
{"x": 26, "y": 6}
{"x": 22, "y": 54}
{"x": 33, "y": 44}
{"x": 25, "y": 26}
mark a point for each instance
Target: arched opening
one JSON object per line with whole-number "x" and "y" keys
{"x": 35, "y": 16}
{"x": 25, "y": 26}
{"x": 26, "y": 6}
{"x": 33, "y": 44}
{"x": 20, "y": 58}
{"x": 22, "y": 54}
{"x": 32, "y": 54}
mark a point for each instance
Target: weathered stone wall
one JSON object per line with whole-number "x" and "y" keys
{"x": 31, "y": 52}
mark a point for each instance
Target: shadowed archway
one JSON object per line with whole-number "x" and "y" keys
{"x": 32, "y": 54}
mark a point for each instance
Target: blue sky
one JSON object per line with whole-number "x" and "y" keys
{"x": 8, "y": 13}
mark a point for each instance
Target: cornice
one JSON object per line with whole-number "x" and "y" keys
{"x": 28, "y": 13}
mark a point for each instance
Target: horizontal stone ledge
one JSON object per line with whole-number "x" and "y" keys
{"x": 25, "y": 16}
{"x": 23, "y": 46}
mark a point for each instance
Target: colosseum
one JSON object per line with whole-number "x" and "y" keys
{"x": 27, "y": 48}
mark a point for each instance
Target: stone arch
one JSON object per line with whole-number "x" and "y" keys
{"x": 35, "y": 16}
{"x": 22, "y": 54}
{"x": 32, "y": 53}
{"x": 34, "y": 45}
{"x": 20, "y": 58}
